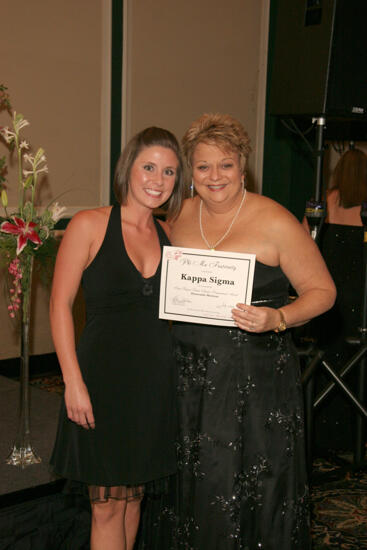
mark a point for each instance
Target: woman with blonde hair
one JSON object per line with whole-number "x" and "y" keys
{"x": 241, "y": 450}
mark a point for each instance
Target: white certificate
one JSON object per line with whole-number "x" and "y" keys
{"x": 203, "y": 286}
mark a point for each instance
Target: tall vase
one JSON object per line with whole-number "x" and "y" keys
{"x": 22, "y": 453}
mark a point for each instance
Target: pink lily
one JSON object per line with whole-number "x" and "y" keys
{"x": 24, "y": 230}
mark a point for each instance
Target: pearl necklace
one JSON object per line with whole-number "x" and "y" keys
{"x": 212, "y": 247}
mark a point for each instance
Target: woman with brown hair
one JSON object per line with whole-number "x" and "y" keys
{"x": 349, "y": 189}
{"x": 341, "y": 242}
{"x": 241, "y": 452}
{"x": 117, "y": 425}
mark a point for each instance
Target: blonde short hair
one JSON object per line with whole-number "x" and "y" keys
{"x": 218, "y": 129}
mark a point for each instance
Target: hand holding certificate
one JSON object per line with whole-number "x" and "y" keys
{"x": 203, "y": 286}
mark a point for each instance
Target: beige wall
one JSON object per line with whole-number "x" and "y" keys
{"x": 55, "y": 62}
{"x": 181, "y": 58}
{"x": 187, "y": 57}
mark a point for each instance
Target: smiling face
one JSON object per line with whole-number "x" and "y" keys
{"x": 152, "y": 176}
{"x": 217, "y": 173}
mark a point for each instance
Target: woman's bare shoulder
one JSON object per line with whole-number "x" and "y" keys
{"x": 91, "y": 216}
{"x": 93, "y": 213}
{"x": 88, "y": 224}
{"x": 268, "y": 209}
{"x": 277, "y": 223}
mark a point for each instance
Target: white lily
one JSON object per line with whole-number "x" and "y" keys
{"x": 19, "y": 122}
{"x": 24, "y": 145}
{"x": 57, "y": 211}
{"x": 35, "y": 161}
{"x": 36, "y": 171}
{"x": 7, "y": 134}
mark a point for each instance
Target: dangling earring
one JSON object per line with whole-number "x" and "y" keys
{"x": 192, "y": 188}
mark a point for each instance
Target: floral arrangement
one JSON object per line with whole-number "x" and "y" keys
{"x": 26, "y": 233}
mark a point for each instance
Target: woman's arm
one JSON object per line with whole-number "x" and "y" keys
{"x": 302, "y": 263}
{"x": 72, "y": 258}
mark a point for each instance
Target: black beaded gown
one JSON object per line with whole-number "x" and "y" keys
{"x": 241, "y": 460}
{"x": 126, "y": 358}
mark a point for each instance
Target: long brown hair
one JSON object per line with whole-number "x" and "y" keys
{"x": 149, "y": 137}
{"x": 350, "y": 178}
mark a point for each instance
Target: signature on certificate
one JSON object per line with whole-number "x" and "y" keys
{"x": 180, "y": 300}
{"x": 223, "y": 305}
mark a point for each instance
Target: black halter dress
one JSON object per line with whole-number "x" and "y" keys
{"x": 126, "y": 360}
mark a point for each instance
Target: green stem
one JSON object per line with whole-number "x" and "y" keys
{"x": 20, "y": 179}
{"x": 27, "y": 269}
{"x": 33, "y": 192}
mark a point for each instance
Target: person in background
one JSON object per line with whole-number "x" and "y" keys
{"x": 242, "y": 473}
{"x": 118, "y": 422}
{"x": 349, "y": 189}
{"x": 341, "y": 244}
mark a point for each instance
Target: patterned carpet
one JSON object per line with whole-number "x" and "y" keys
{"x": 52, "y": 383}
{"x": 338, "y": 494}
{"x": 339, "y": 505}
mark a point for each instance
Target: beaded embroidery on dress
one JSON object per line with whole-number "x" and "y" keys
{"x": 242, "y": 472}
